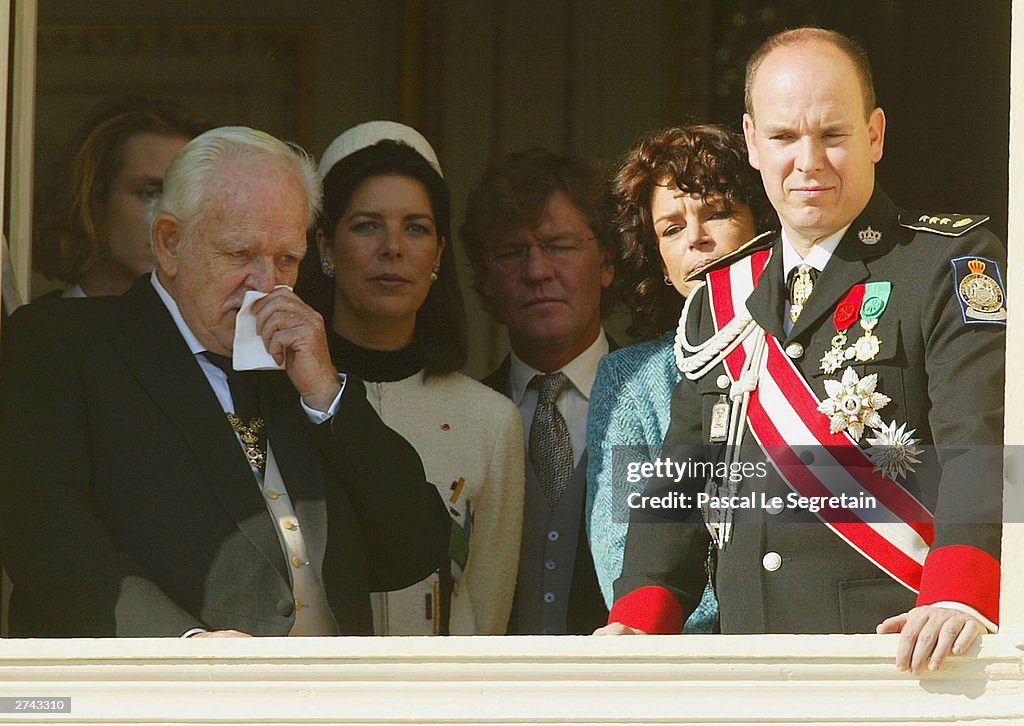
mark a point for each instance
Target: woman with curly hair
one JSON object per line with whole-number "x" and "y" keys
{"x": 685, "y": 197}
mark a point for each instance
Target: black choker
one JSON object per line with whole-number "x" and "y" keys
{"x": 375, "y": 365}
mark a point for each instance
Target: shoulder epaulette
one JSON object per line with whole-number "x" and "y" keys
{"x": 760, "y": 242}
{"x": 950, "y": 225}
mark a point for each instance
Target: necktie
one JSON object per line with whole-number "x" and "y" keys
{"x": 245, "y": 420}
{"x": 550, "y": 446}
{"x": 800, "y": 283}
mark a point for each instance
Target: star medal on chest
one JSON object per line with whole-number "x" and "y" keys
{"x": 853, "y": 403}
{"x": 845, "y": 314}
{"x": 894, "y": 450}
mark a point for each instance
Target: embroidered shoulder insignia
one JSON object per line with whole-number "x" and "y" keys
{"x": 979, "y": 288}
{"x": 950, "y": 225}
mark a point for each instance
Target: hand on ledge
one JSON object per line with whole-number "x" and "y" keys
{"x": 618, "y": 629}
{"x": 221, "y": 634}
{"x": 928, "y": 634}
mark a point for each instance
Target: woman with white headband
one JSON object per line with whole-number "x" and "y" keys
{"x": 390, "y": 296}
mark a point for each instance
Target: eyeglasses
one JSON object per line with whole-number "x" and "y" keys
{"x": 555, "y": 250}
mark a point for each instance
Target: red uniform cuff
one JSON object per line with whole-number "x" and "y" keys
{"x": 963, "y": 574}
{"x": 651, "y": 609}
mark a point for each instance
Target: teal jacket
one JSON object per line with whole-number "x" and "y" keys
{"x": 629, "y": 414}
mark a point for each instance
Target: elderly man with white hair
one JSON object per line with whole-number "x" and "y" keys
{"x": 150, "y": 488}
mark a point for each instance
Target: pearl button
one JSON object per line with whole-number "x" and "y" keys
{"x": 723, "y": 381}
{"x": 550, "y": 565}
{"x": 549, "y": 597}
{"x": 795, "y": 350}
{"x": 771, "y": 561}
{"x": 553, "y": 536}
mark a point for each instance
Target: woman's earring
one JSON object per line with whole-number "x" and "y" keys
{"x": 433, "y": 273}
{"x": 668, "y": 281}
{"x": 328, "y": 268}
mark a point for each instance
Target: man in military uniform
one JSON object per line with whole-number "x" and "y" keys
{"x": 859, "y": 326}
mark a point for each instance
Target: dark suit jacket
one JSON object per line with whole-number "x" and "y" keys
{"x": 129, "y": 508}
{"x": 587, "y": 610}
{"x": 945, "y": 381}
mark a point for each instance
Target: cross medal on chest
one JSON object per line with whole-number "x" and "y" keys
{"x": 867, "y": 302}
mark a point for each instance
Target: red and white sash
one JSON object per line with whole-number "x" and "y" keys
{"x": 783, "y": 416}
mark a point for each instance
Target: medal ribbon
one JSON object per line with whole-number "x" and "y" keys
{"x": 876, "y": 297}
{"x": 848, "y": 308}
{"x": 782, "y": 414}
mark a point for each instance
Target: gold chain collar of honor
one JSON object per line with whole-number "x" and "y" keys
{"x": 250, "y": 436}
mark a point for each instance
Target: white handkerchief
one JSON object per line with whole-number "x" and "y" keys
{"x": 249, "y": 353}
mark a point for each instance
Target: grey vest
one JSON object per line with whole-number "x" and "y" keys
{"x": 548, "y": 554}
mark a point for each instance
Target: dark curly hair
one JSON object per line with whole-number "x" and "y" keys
{"x": 701, "y": 159}
{"x": 440, "y": 331}
{"x": 513, "y": 193}
{"x": 72, "y": 194}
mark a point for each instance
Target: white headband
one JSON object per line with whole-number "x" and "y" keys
{"x": 367, "y": 134}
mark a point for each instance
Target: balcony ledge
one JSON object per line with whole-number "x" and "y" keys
{"x": 831, "y": 679}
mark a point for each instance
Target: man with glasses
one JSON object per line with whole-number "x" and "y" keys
{"x": 538, "y": 239}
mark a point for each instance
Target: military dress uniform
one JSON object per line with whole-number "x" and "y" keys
{"x": 939, "y": 359}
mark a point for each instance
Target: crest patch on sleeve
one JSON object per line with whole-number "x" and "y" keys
{"x": 979, "y": 288}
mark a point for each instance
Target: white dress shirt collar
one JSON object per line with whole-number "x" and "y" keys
{"x": 580, "y": 371}
{"x": 574, "y": 400}
{"x": 817, "y": 258}
{"x": 172, "y": 307}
